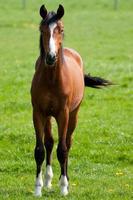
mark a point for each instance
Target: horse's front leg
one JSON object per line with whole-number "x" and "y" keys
{"x": 62, "y": 151}
{"x": 39, "y": 153}
{"x": 48, "y": 142}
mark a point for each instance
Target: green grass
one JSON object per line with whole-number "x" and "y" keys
{"x": 101, "y": 158}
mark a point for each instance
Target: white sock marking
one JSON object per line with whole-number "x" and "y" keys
{"x": 64, "y": 185}
{"x": 48, "y": 177}
{"x": 51, "y": 41}
{"x": 38, "y": 185}
{"x": 38, "y": 191}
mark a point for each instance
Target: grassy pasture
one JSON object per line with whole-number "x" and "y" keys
{"x": 101, "y": 158}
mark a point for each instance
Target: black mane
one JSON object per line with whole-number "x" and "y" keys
{"x": 42, "y": 51}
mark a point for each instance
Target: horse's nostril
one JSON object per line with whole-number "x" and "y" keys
{"x": 50, "y": 58}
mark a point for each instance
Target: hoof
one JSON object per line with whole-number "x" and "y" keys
{"x": 38, "y": 185}
{"x": 48, "y": 177}
{"x": 48, "y": 184}
{"x": 64, "y": 190}
{"x": 38, "y": 192}
{"x": 64, "y": 185}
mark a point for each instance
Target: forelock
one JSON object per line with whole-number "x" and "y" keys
{"x": 51, "y": 18}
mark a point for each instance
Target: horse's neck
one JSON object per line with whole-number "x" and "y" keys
{"x": 54, "y": 74}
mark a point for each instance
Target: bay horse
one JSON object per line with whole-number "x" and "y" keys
{"x": 57, "y": 91}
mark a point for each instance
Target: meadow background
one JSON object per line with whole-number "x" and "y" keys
{"x": 101, "y": 158}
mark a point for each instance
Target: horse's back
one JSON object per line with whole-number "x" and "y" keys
{"x": 74, "y": 56}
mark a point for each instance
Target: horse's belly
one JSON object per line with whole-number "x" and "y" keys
{"x": 76, "y": 102}
{"x": 78, "y": 90}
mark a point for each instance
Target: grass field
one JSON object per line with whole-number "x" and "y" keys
{"x": 101, "y": 158}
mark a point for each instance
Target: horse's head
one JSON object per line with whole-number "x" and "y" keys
{"x": 51, "y": 28}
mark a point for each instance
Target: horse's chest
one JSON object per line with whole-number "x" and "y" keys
{"x": 50, "y": 104}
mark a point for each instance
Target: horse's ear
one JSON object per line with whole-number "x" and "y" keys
{"x": 43, "y": 12}
{"x": 60, "y": 12}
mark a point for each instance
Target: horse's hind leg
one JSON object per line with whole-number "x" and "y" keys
{"x": 38, "y": 121}
{"x": 48, "y": 142}
{"x": 62, "y": 122}
{"x": 71, "y": 126}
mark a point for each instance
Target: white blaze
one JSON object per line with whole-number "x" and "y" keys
{"x": 51, "y": 41}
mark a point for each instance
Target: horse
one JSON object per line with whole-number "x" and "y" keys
{"x": 57, "y": 91}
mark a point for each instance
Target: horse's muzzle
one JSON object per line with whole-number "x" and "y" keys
{"x": 50, "y": 58}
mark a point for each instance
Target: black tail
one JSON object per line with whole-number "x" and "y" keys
{"x": 95, "y": 82}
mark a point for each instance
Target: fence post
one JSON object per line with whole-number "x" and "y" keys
{"x": 23, "y": 4}
{"x": 115, "y": 4}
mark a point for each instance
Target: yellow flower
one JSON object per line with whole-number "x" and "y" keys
{"x": 127, "y": 185}
{"x": 119, "y": 173}
{"x": 110, "y": 190}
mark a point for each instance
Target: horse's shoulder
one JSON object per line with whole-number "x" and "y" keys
{"x": 71, "y": 53}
